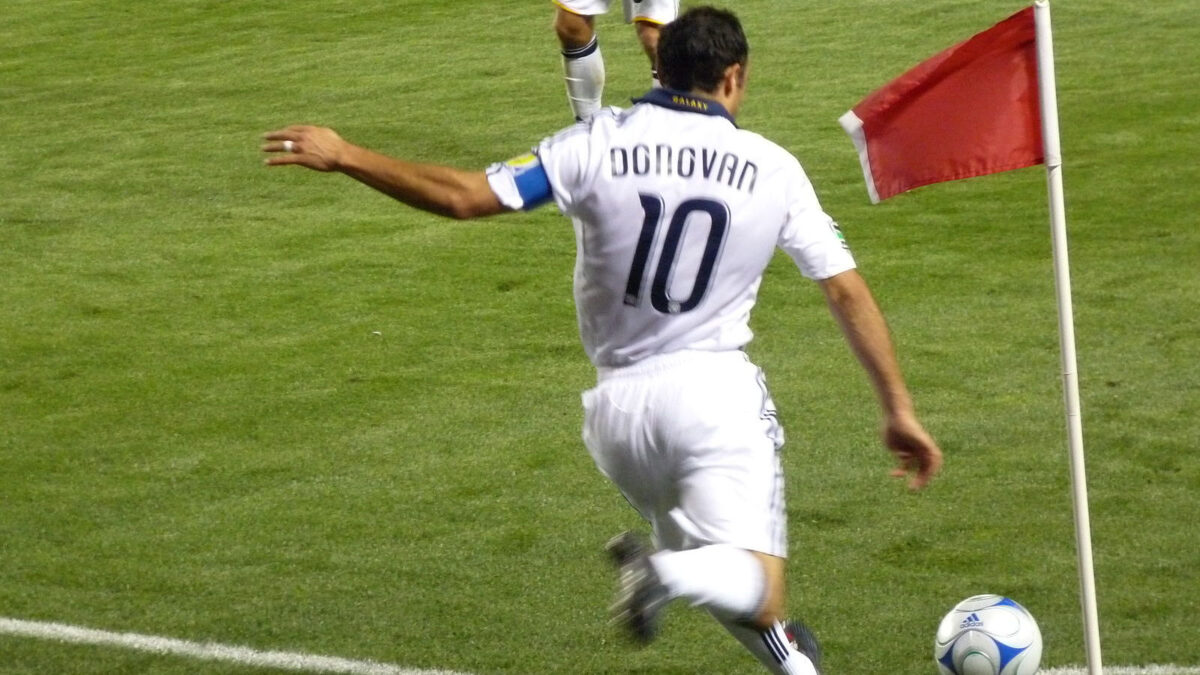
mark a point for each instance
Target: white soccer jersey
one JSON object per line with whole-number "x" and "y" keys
{"x": 677, "y": 213}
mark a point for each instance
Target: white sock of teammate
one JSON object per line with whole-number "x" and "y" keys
{"x": 771, "y": 647}
{"x": 720, "y": 578}
{"x": 583, "y": 70}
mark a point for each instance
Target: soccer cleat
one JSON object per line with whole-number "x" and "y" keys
{"x": 804, "y": 641}
{"x": 640, "y": 594}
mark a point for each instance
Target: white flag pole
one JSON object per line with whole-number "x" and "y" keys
{"x": 1066, "y": 330}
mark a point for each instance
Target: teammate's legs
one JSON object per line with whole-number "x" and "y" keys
{"x": 583, "y": 64}
{"x": 648, "y": 17}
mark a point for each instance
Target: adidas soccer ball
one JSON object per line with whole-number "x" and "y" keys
{"x": 988, "y": 635}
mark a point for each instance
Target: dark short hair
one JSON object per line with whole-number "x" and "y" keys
{"x": 695, "y": 49}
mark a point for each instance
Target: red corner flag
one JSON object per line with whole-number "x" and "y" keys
{"x": 969, "y": 111}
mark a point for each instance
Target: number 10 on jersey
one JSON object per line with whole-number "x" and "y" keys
{"x": 664, "y": 267}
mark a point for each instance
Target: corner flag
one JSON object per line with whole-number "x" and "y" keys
{"x": 968, "y": 111}
{"x": 986, "y": 105}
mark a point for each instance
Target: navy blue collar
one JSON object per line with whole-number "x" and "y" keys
{"x": 678, "y": 100}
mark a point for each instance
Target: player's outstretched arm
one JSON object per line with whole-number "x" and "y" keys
{"x": 862, "y": 323}
{"x": 443, "y": 190}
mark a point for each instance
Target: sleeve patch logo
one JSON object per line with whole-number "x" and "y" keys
{"x": 524, "y": 163}
{"x": 838, "y": 232}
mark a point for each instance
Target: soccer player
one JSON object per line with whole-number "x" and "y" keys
{"x": 677, "y": 213}
{"x": 583, "y": 65}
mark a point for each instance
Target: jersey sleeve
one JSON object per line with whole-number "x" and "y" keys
{"x": 569, "y": 163}
{"x": 555, "y": 169}
{"x": 810, "y": 236}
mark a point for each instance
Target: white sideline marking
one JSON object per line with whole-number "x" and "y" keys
{"x": 1126, "y": 670}
{"x": 311, "y": 663}
{"x": 210, "y": 651}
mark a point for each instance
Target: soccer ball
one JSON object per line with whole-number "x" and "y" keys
{"x": 988, "y": 635}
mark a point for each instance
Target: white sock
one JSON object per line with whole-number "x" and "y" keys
{"x": 771, "y": 648}
{"x": 723, "y": 579}
{"x": 583, "y": 70}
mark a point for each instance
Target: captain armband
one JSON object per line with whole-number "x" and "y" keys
{"x": 521, "y": 182}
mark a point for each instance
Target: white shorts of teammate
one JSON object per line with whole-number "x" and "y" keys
{"x": 691, "y": 439}
{"x": 660, "y": 12}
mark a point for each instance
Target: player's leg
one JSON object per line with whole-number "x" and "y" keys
{"x": 708, "y": 480}
{"x": 724, "y": 579}
{"x": 784, "y": 648}
{"x": 648, "y": 18}
{"x": 583, "y": 64}
{"x": 742, "y": 589}
{"x": 731, "y": 501}
{"x": 623, "y": 426}
{"x": 745, "y": 590}
{"x": 776, "y": 648}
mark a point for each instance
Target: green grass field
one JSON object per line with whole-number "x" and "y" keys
{"x": 274, "y": 409}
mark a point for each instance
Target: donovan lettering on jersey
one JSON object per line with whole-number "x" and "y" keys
{"x": 685, "y": 162}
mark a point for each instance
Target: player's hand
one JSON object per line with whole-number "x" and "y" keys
{"x": 317, "y": 148}
{"x": 917, "y": 454}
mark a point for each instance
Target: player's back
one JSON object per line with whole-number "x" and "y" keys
{"x": 677, "y": 213}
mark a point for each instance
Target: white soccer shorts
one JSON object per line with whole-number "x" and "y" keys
{"x": 691, "y": 439}
{"x": 654, "y": 11}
